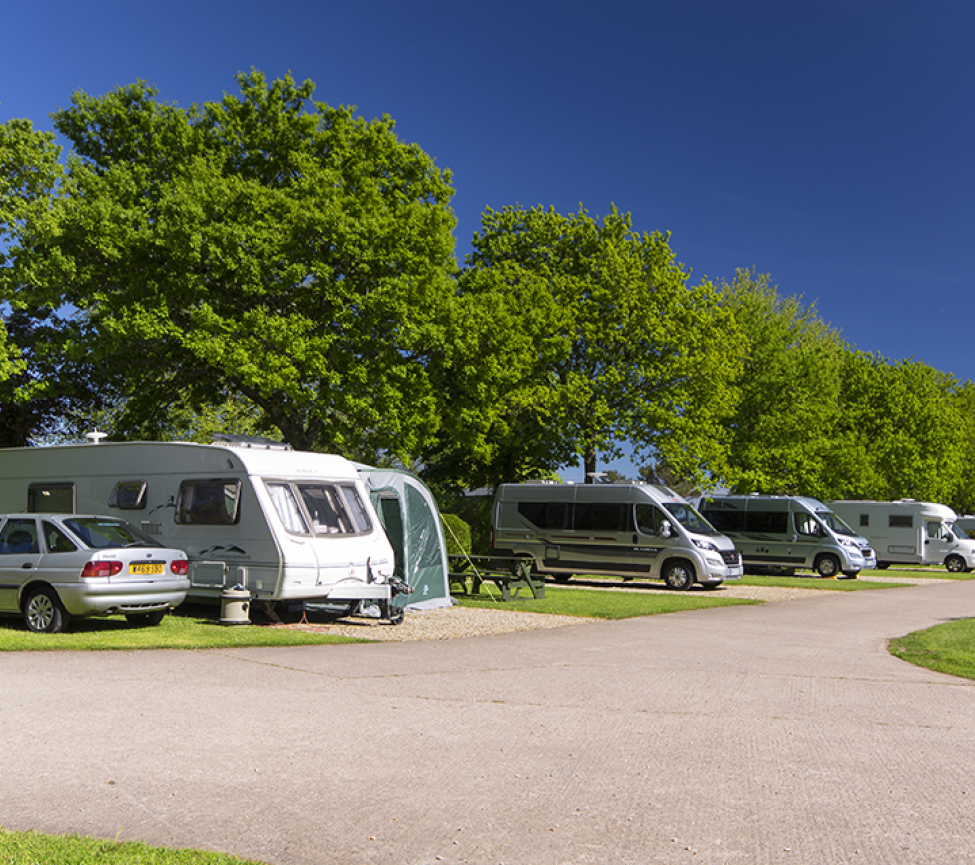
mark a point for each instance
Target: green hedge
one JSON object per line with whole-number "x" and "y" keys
{"x": 458, "y": 534}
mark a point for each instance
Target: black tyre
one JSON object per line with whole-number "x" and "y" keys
{"x": 827, "y": 566}
{"x": 882, "y": 566}
{"x": 562, "y": 578}
{"x": 145, "y": 620}
{"x": 679, "y": 575}
{"x": 43, "y": 613}
{"x": 955, "y": 564}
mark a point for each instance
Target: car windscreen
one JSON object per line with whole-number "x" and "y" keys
{"x": 101, "y": 534}
{"x": 690, "y": 519}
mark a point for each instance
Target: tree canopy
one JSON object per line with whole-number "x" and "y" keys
{"x": 604, "y": 342}
{"x": 266, "y": 246}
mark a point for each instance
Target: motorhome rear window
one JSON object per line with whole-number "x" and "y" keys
{"x": 901, "y": 521}
{"x": 208, "y": 502}
{"x": 56, "y": 498}
{"x": 128, "y": 496}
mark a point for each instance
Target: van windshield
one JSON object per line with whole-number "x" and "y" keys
{"x": 960, "y": 533}
{"x": 835, "y": 523}
{"x": 690, "y": 519}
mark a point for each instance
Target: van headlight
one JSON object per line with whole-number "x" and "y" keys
{"x": 706, "y": 545}
{"x": 848, "y": 543}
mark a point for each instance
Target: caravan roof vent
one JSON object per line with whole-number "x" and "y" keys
{"x": 249, "y": 442}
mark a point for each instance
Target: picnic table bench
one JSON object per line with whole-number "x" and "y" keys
{"x": 506, "y": 572}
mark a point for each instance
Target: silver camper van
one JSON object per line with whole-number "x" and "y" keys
{"x": 290, "y": 527}
{"x": 628, "y": 530}
{"x": 789, "y": 533}
{"x": 911, "y": 532}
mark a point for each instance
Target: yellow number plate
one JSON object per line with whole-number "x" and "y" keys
{"x": 151, "y": 568}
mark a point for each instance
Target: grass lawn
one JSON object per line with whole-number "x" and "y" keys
{"x": 920, "y": 572}
{"x": 600, "y": 604}
{"x": 31, "y": 848}
{"x": 947, "y": 648}
{"x": 816, "y": 583}
{"x": 175, "y": 632}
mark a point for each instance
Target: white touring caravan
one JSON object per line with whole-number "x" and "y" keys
{"x": 910, "y": 532}
{"x": 290, "y": 527}
{"x": 628, "y": 530}
{"x": 789, "y": 533}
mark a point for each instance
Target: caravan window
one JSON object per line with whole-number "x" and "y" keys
{"x": 208, "y": 503}
{"x": 328, "y": 514}
{"x": 128, "y": 496}
{"x": 286, "y": 504}
{"x": 360, "y": 517}
{"x": 50, "y": 498}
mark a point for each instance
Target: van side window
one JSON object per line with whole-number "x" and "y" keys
{"x": 901, "y": 521}
{"x": 598, "y": 516}
{"x": 544, "y": 515}
{"x": 208, "y": 503}
{"x": 807, "y": 525}
{"x": 649, "y": 519}
{"x": 725, "y": 520}
{"x": 56, "y": 540}
{"x": 128, "y": 496}
{"x": 773, "y": 522}
{"x": 19, "y": 536}
{"x": 56, "y": 498}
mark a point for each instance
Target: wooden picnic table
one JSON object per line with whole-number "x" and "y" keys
{"x": 506, "y": 572}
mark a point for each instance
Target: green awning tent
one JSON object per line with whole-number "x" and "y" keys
{"x": 411, "y": 518}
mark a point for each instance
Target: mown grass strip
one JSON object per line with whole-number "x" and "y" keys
{"x": 818, "y": 583}
{"x": 601, "y": 604}
{"x": 31, "y": 848}
{"x": 175, "y": 632}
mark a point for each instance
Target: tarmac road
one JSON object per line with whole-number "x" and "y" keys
{"x": 783, "y": 733}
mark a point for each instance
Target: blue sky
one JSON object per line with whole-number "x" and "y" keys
{"x": 829, "y": 144}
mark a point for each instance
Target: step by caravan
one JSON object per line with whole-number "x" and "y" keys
{"x": 288, "y": 526}
{"x": 627, "y": 530}
{"x": 910, "y": 532}
{"x": 789, "y": 533}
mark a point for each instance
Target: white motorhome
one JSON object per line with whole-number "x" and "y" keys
{"x": 628, "y": 530}
{"x": 789, "y": 533}
{"x": 288, "y": 526}
{"x": 910, "y": 532}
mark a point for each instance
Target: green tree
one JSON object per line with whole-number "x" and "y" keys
{"x": 907, "y": 420}
{"x": 784, "y": 435}
{"x": 265, "y": 247}
{"x": 593, "y": 340}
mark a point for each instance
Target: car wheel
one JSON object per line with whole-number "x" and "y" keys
{"x": 955, "y": 564}
{"x": 43, "y": 613}
{"x": 679, "y": 575}
{"x": 827, "y": 566}
{"x": 145, "y": 620}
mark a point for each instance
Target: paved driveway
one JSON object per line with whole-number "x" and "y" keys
{"x": 775, "y": 734}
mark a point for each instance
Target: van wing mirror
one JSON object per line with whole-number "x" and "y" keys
{"x": 666, "y": 530}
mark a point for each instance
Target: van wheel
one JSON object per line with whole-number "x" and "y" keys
{"x": 882, "y": 566}
{"x": 955, "y": 564}
{"x": 145, "y": 620}
{"x": 679, "y": 575}
{"x": 562, "y": 578}
{"x": 43, "y": 613}
{"x": 827, "y": 566}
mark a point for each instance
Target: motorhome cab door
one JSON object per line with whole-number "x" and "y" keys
{"x": 936, "y": 543}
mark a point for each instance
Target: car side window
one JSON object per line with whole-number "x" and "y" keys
{"x": 18, "y": 536}
{"x": 56, "y": 540}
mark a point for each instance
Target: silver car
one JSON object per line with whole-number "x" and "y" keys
{"x": 55, "y": 566}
